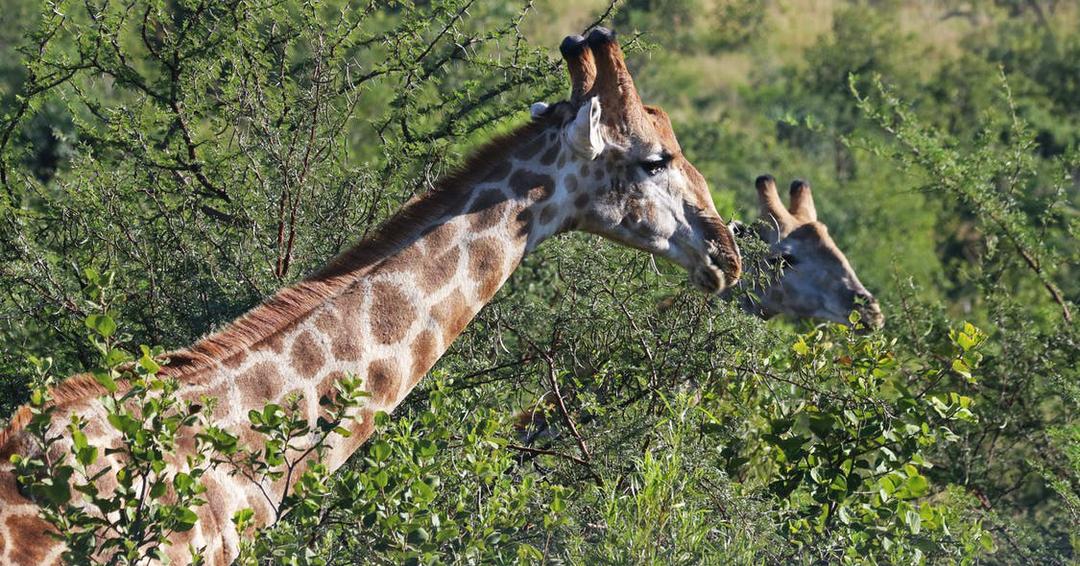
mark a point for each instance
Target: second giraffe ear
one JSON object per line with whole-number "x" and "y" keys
{"x": 583, "y": 134}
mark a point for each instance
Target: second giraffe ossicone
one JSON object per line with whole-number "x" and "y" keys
{"x": 387, "y": 309}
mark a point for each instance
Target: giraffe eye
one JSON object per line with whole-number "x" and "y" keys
{"x": 782, "y": 261}
{"x": 654, "y": 165}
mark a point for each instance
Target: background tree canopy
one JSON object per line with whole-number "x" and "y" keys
{"x": 206, "y": 153}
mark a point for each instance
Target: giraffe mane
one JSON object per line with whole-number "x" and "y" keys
{"x": 284, "y": 308}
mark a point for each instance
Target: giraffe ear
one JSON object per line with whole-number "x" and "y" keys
{"x": 584, "y": 132}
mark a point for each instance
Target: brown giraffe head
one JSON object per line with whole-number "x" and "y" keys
{"x": 632, "y": 182}
{"x": 816, "y": 279}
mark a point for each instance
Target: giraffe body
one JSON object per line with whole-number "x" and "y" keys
{"x": 387, "y": 309}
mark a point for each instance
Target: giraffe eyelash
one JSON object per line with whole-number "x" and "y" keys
{"x": 653, "y": 165}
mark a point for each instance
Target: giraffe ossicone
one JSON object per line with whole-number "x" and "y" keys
{"x": 388, "y": 308}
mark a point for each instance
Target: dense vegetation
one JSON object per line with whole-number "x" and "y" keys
{"x": 203, "y": 154}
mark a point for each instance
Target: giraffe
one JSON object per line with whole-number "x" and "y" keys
{"x": 816, "y": 281}
{"x": 386, "y": 309}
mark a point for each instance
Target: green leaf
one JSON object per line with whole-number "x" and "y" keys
{"x": 86, "y": 455}
{"x": 422, "y": 491}
{"x": 380, "y": 451}
{"x": 243, "y": 516}
{"x": 185, "y": 519}
{"x": 961, "y": 368}
{"x": 183, "y": 482}
{"x": 342, "y": 431}
{"x": 780, "y": 426}
{"x": 103, "y": 324}
{"x": 844, "y": 515}
{"x": 913, "y": 521}
{"x": 821, "y": 425}
{"x": 116, "y": 356}
{"x": 917, "y": 486}
{"x": 78, "y": 437}
{"x": 105, "y": 379}
{"x": 147, "y": 361}
{"x": 418, "y": 535}
{"x": 965, "y": 341}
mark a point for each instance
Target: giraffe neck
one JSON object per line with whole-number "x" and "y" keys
{"x": 389, "y": 325}
{"x": 396, "y": 320}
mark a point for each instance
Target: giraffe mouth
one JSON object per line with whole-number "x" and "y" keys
{"x": 871, "y": 316}
{"x": 720, "y": 270}
{"x": 710, "y": 277}
{"x": 712, "y": 264}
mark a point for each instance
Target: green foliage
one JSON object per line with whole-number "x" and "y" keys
{"x": 992, "y": 183}
{"x": 158, "y": 487}
{"x": 131, "y": 522}
{"x": 850, "y": 454}
{"x": 431, "y": 486}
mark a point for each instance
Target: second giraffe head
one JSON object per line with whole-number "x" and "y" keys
{"x": 815, "y": 280}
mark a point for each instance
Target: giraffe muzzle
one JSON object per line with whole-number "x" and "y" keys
{"x": 720, "y": 270}
{"x": 709, "y": 279}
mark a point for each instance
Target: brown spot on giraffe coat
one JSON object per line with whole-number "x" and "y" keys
{"x": 485, "y": 210}
{"x": 326, "y": 386}
{"x": 530, "y": 148}
{"x": 235, "y": 361}
{"x": 274, "y": 342}
{"x": 27, "y": 527}
{"x": 259, "y": 384}
{"x": 452, "y": 314}
{"x": 307, "y": 356}
{"x": 343, "y": 334}
{"x": 404, "y": 260}
{"x": 391, "y": 313}
{"x": 383, "y": 380}
{"x": 548, "y": 214}
{"x": 534, "y": 186}
{"x": 437, "y": 271}
{"x": 524, "y": 220}
{"x": 498, "y": 172}
{"x": 550, "y": 155}
{"x": 440, "y": 237}
{"x": 424, "y": 355}
{"x": 486, "y": 266}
